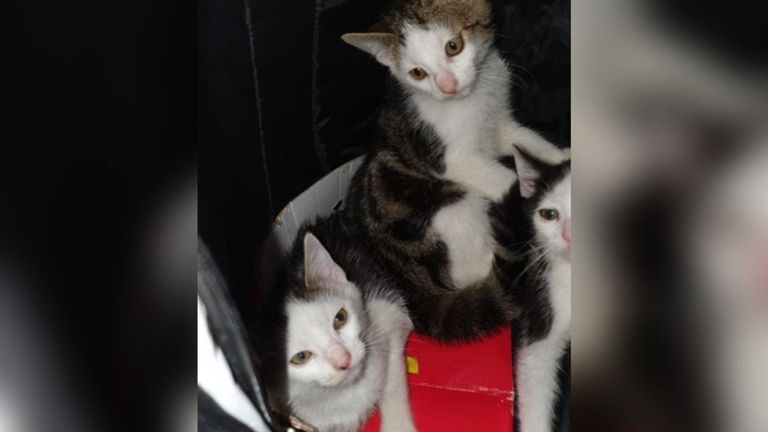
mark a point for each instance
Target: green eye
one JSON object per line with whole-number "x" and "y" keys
{"x": 340, "y": 319}
{"x": 549, "y": 214}
{"x": 301, "y": 358}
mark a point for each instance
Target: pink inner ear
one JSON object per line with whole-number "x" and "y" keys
{"x": 318, "y": 264}
{"x": 527, "y": 188}
{"x": 336, "y": 274}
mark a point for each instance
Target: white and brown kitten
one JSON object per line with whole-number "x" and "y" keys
{"x": 422, "y": 196}
{"x": 344, "y": 335}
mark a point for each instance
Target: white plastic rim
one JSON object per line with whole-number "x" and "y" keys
{"x": 317, "y": 201}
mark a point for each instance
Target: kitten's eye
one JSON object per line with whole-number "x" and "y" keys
{"x": 418, "y": 74}
{"x": 549, "y": 214}
{"x": 340, "y": 319}
{"x": 301, "y": 358}
{"x": 454, "y": 46}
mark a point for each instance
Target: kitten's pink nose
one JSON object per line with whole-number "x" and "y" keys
{"x": 567, "y": 231}
{"x": 340, "y": 358}
{"x": 447, "y": 83}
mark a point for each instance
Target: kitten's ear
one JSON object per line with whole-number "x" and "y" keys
{"x": 377, "y": 44}
{"x": 528, "y": 173}
{"x": 318, "y": 264}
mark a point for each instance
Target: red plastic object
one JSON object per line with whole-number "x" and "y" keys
{"x": 460, "y": 387}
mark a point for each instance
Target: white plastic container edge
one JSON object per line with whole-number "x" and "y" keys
{"x": 318, "y": 200}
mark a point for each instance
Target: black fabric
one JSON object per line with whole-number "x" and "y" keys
{"x": 98, "y": 137}
{"x": 228, "y": 333}
{"x": 534, "y": 37}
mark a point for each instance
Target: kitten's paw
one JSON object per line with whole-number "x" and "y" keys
{"x": 566, "y": 154}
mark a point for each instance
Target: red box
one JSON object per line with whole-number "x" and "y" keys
{"x": 460, "y": 387}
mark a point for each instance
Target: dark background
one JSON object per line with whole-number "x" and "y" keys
{"x": 283, "y": 101}
{"x": 98, "y": 136}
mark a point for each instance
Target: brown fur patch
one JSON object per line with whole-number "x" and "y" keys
{"x": 470, "y": 18}
{"x": 459, "y": 15}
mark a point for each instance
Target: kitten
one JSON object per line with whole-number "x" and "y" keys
{"x": 422, "y": 196}
{"x": 542, "y": 285}
{"x": 345, "y": 333}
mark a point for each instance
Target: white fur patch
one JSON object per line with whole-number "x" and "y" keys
{"x": 465, "y": 228}
{"x": 537, "y": 382}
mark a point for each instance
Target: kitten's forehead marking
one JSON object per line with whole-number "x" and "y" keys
{"x": 560, "y": 195}
{"x": 453, "y": 14}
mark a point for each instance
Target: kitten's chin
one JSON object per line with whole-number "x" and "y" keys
{"x": 334, "y": 380}
{"x": 466, "y": 91}
{"x": 462, "y": 93}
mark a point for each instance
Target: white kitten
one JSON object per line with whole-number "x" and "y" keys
{"x": 344, "y": 345}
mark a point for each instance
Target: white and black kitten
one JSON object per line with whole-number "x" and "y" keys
{"x": 422, "y": 196}
{"x": 345, "y": 330}
{"x": 540, "y": 215}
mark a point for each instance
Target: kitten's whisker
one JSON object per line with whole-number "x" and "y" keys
{"x": 517, "y": 66}
{"x": 518, "y": 245}
{"x": 536, "y": 261}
